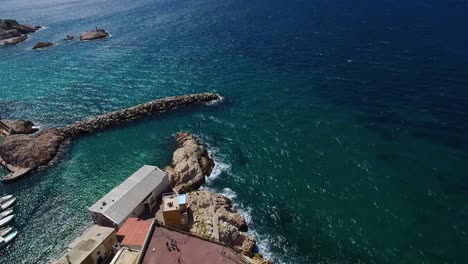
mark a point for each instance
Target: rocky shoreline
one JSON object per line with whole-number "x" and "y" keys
{"x": 212, "y": 214}
{"x": 34, "y": 150}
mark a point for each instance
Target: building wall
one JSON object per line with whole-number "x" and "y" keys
{"x": 172, "y": 218}
{"x": 135, "y": 213}
{"x": 104, "y": 249}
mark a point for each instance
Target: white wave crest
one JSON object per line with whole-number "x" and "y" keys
{"x": 220, "y": 99}
{"x": 219, "y": 167}
{"x": 229, "y": 193}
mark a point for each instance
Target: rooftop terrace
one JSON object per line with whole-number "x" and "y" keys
{"x": 187, "y": 249}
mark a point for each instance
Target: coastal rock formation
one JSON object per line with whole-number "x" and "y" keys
{"x": 12, "y": 40}
{"x": 11, "y": 32}
{"x": 258, "y": 259}
{"x": 31, "y": 151}
{"x": 97, "y": 34}
{"x": 213, "y": 216}
{"x": 20, "y": 126}
{"x": 42, "y": 45}
{"x": 69, "y": 38}
{"x": 190, "y": 164}
{"x": 10, "y": 24}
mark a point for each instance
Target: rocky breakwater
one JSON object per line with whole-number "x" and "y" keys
{"x": 32, "y": 151}
{"x": 11, "y": 32}
{"x": 152, "y": 108}
{"x": 212, "y": 215}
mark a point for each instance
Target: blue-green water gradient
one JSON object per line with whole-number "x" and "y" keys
{"x": 341, "y": 136}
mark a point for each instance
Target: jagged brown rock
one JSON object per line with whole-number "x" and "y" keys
{"x": 31, "y": 151}
{"x": 206, "y": 207}
{"x": 190, "y": 164}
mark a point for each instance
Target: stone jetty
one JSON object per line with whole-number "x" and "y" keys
{"x": 26, "y": 152}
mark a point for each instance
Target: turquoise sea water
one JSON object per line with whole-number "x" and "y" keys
{"x": 341, "y": 136}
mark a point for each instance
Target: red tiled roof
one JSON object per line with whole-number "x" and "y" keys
{"x": 134, "y": 232}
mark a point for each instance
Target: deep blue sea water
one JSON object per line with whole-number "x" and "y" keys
{"x": 342, "y": 136}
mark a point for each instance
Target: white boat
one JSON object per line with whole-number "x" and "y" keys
{"x": 5, "y": 231}
{"x": 5, "y": 198}
{"x": 6, "y": 213}
{"x": 7, "y": 239}
{"x": 7, "y": 204}
{"x": 6, "y": 220}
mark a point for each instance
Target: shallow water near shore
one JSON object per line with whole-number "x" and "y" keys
{"x": 341, "y": 137}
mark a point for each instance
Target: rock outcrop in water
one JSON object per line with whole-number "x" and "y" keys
{"x": 190, "y": 164}
{"x": 69, "y": 38}
{"x": 11, "y": 32}
{"x": 43, "y": 45}
{"x": 96, "y": 34}
{"x": 31, "y": 151}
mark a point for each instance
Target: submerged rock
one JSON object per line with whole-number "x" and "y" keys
{"x": 97, "y": 34}
{"x": 20, "y": 126}
{"x": 207, "y": 208}
{"x": 190, "y": 164}
{"x": 43, "y": 45}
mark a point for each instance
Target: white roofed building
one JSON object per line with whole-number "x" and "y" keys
{"x": 129, "y": 199}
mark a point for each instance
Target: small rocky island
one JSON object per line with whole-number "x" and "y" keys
{"x": 25, "y": 152}
{"x": 213, "y": 215}
{"x": 69, "y": 38}
{"x": 11, "y": 32}
{"x": 95, "y": 34}
{"x": 43, "y": 45}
